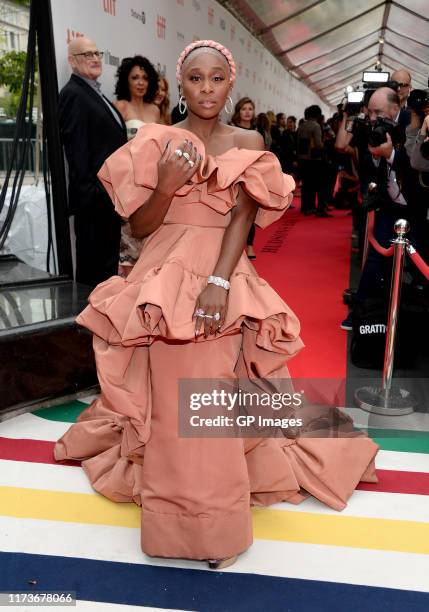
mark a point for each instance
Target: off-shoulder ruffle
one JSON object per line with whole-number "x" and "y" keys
{"x": 131, "y": 174}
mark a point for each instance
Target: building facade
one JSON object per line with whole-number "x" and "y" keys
{"x": 14, "y": 22}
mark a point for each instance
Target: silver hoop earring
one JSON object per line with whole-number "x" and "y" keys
{"x": 182, "y": 105}
{"x": 231, "y": 107}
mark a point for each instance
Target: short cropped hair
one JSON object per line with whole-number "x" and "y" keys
{"x": 313, "y": 112}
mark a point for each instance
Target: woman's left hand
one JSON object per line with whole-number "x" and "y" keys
{"x": 211, "y": 300}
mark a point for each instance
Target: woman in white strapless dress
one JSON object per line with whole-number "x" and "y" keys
{"x": 136, "y": 88}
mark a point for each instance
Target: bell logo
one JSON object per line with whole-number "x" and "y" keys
{"x": 161, "y": 26}
{"x": 109, "y": 7}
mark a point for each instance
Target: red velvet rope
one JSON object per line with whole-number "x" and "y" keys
{"x": 421, "y": 265}
{"x": 377, "y": 246}
{"x": 414, "y": 256}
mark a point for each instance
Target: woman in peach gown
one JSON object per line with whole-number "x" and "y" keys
{"x": 194, "y": 190}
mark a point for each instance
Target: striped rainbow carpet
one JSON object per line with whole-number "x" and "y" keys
{"x": 57, "y": 531}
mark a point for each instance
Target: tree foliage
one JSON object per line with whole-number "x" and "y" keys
{"x": 12, "y": 67}
{"x": 10, "y": 103}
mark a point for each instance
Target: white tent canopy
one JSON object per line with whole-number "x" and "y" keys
{"x": 327, "y": 44}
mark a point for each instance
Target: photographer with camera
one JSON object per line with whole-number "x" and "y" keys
{"x": 417, "y": 147}
{"x": 384, "y": 166}
{"x": 417, "y": 142}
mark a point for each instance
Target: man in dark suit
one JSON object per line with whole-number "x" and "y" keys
{"x": 91, "y": 130}
{"x": 403, "y": 78}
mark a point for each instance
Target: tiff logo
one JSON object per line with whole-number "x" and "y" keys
{"x": 161, "y": 26}
{"x": 72, "y": 34}
{"x": 232, "y": 32}
{"x": 211, "y": 15}
{"x": 109, "y": 7}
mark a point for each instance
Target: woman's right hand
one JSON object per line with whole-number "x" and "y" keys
{"x": 175, "y": 171}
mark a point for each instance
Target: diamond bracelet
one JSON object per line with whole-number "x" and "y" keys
{"x": 217, "y": 280}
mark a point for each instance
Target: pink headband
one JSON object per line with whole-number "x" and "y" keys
{"x": 206, "y": 43}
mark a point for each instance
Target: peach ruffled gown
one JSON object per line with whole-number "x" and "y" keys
{"x": 195, "y": 493}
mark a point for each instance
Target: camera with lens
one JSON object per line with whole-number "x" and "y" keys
{"x": 357, "y": 122}
{"x": 418, "y": 101}
{"x": 377, "y": 132}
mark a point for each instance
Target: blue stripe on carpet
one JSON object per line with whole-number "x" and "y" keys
{"x": 204, "y": 591}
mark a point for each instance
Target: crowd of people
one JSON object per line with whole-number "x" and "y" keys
{"x": 332, "y": 165}
{"x": 384, "y": 173}
{"x": 142, "y": 97}
{"x": 192, "y": 307}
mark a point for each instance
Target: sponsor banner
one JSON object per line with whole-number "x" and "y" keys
{"x": 160, "y": 30}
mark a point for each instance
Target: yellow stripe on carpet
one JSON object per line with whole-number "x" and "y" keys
{"x": 268, "y": 524}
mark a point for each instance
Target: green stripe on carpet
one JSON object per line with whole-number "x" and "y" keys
{"x": 405, "y": 441}
{"x": 404, "y": 444}
{"x": 66, "y": 413}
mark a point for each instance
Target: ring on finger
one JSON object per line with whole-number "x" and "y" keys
{"x": 179, "y": 152}
{"x": 191, "y": 163}
{"x": 186, "y": 156}
{"x": 216, "y": 316}
{"x": 200, "y": 312}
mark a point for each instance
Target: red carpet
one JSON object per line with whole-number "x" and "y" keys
{"x": 307, "y": 261}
